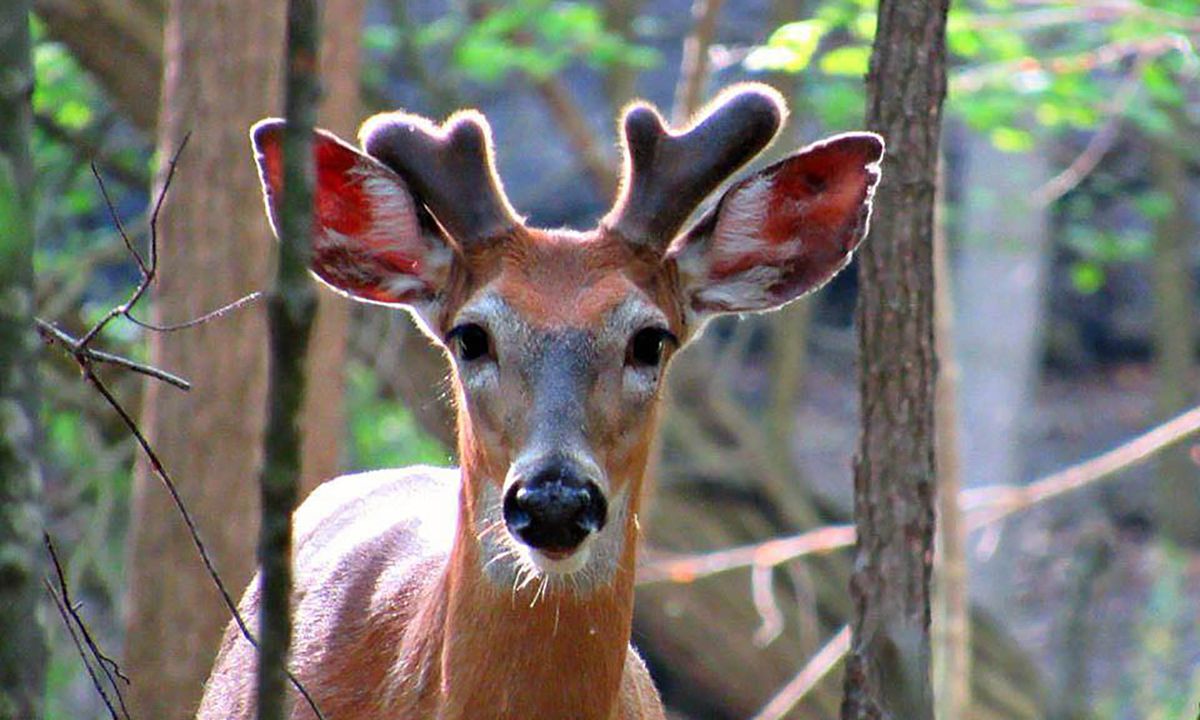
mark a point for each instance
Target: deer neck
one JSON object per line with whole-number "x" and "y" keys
{"x": 508, "y": 645}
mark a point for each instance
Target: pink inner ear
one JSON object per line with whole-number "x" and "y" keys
{"x": 806, "y": 215}
{"x": 818, "y": 195}
{"x": 367, "y": 241}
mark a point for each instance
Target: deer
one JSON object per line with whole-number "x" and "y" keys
{"x": 505, "y": 588}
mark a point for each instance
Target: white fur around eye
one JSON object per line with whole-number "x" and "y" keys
{"x": 640, "y": 383}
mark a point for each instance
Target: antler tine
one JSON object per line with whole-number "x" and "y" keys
{"x": 450, "y": 169}
{"x": 669, "y": 172}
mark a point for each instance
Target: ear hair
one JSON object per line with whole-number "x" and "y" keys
{"x": 450, "y": 168}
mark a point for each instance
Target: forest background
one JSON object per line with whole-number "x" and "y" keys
{"x": 1071, "y": 157}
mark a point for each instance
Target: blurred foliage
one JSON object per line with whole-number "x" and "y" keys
{"x": 1151, "y": 691}
{"x": 383, "y": 433}
{"x": 1020, "y": 68}
{"x": 534, "y": 38}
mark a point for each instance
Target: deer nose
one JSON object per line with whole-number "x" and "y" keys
{"x": 554, "y": 510}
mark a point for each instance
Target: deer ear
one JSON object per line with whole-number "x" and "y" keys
{"x": 783, "y": 231}
{"x": 371, "y": 240}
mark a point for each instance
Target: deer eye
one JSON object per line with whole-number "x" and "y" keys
{"x": 646, "y": 347}
{"x": 469, "y": 341}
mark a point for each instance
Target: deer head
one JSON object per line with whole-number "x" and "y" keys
{"x": 560, "y": 339}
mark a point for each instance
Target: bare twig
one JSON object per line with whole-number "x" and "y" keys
{"x": 808, "y": 677}
{"x": 663, "y": 567}
{"x": 991, "y": 504}
{"x": 693, "y": 69}
{"x": 982, "y": 506}
{"x": 185, "y": 514}
{"x": 762, "y": 578}
{"x": 291, "y": 311}
{"x": 975, "y": 78}
{"x": 81, "y": 637}
{"x": 84, "y": 354}
{"x": 236, "y": 304}
{"x": 1095, "y": 11}
{"x": 1100, "y": 143}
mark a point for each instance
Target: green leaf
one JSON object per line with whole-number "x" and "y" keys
{"x": 1154, "y": 204}
{"x": 1011, "y": 139}
{"x": 851, "y": 61}
{"x": 380, "y": 38}
{"x": 1087, "y": 277}
{"x": 790, "y": 48}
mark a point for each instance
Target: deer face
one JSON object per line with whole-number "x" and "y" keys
{"x": 560, "y": 339}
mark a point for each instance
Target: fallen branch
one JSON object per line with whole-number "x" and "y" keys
{"x": 982, "y": 506}
{"x": 683, "y": 569}
{"x": 808, "y": 677}
{"x": 988, "y": 505}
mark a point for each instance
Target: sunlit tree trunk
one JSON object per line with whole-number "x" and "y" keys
{"x": 887, "y": 670}
{"x": 22, "y": 645}
{"x": 222, "y": 74}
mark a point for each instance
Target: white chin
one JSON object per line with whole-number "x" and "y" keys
{"x": 561, "y": 565}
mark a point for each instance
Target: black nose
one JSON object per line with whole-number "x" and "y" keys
{"x": 554, "y": 509}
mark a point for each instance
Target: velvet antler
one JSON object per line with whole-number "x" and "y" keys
{"x": 669, "y": 172}
{"x": 449, "y": 168}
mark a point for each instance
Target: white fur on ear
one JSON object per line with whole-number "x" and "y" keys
{"x": 783, "y": 231}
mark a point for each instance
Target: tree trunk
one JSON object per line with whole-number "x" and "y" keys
{"x": 887, "y": 671}
{"x": 951, "y": 611}
{"x": 223, "y": 73}
{"x": 1178, "y": 490}
{"x": 1000, "y": 278}
{"x": 291, "y": 310}
{"x": 22, "y": 650}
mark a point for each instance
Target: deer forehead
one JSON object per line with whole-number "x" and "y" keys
{"x": 582, "y": 281}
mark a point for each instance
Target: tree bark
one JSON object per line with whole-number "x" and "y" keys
{"x": 223, "y": 73}
{"x": 1178, "y": 490}
{"x": 291, "y": 309}
{"x": 23, "y": 650}
{"x": 887, "y": 671}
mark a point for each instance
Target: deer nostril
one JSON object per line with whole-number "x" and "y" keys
{"x": 551, "y": 512}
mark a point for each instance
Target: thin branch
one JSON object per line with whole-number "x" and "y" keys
{"x": 1100, "y": 143}
{"x": 693, "y": 68}
{"x": 82, "y": 355}
{"x": 991, "y": 504}
{"x": 982, "y": 506}
{"x": 682, "y": 569}
{"x": 116, "y": 218}
{"x": 148, "y": 273}
{"x": 762, "y": 580}
{"x": 77, "y": 629}
{"x": 808, "y": 677}
{"x": 193, "y": 531}
{"x": 236, "y": 304}
{"x": 975, "y": 78}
